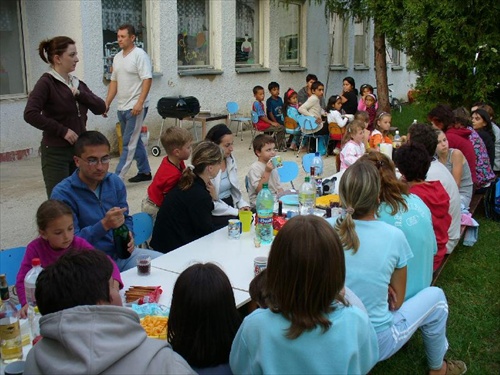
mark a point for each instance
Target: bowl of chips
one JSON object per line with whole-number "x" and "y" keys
{"x": 155, "y": 326}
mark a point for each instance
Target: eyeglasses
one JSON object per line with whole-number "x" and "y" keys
{"x": 94, "y": 161}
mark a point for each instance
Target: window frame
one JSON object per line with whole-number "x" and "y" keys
{"x": 261, "y": 28}
{"x": 22, "y": 25}
{"x": 298, "y": 61}
{"x": 343, "y": 65}
{"x": 366, "y": 47}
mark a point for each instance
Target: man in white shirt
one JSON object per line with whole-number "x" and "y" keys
{"x": 131, "y": 81}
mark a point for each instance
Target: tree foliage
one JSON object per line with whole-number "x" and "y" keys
{"x": 441, "y": 39}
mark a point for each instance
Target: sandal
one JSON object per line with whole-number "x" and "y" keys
{"x": 455, "y": 367}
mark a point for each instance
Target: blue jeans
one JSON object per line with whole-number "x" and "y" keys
{"x": 131, "y": 262}
{"x": 133, "y": 148}
{"x": 427, "y": 310}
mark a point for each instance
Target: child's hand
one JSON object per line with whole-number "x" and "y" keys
{"x": 274, "y": 123}
{"x": 114, "y": 218}
{"x": 392, "y": 298}
{"x": 23, "y": 313}
{"x": 318, "y": 120}
{"x": 269, "y": 166}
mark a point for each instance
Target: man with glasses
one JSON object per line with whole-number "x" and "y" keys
{"x": 98, "y": 199}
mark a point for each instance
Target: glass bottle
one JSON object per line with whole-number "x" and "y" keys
{"x": 11, "y": 345}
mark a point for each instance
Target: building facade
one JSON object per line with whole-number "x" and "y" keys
{"x": 215, "y": 50}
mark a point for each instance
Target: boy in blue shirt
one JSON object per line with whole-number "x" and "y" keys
{"x": 264, "y": 123}
{"x": 274, "y": 104}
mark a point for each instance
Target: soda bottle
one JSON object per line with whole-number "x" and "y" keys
{"x": 121, "y": 236}
{"x": 11, "y": 345}
{"x": 396, "y": 142}
{"x": 30, "y": 281}
{"x": 307, "y": 197}
{"x": 317, "y": 163}
{"x": 264, "y": 206}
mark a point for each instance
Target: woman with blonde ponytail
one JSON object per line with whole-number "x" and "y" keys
{"x": 186, "y": 212}
{"x": 376, "y": 271}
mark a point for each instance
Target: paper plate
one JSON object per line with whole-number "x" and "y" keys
{"x": 290, "y": 200}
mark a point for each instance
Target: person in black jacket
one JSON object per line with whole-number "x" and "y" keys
{"x": 186, "y": 212}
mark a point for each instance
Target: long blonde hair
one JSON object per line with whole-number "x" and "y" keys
{"x": 359, "y": 190}
{"x": 205, "y": 154}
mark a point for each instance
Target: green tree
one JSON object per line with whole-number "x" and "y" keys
{"x": 442, "y": 39}
{"x": 452, "y": 44}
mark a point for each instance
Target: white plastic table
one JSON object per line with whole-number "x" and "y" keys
{"x": 234, "y": 257}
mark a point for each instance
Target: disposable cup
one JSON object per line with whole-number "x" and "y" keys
{"x": 259, "y": 264}
{"x": 246, "y": 220}
{"x": 143, "y": 265}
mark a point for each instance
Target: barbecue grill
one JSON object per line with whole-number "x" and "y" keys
{"x": 177, "y": 107}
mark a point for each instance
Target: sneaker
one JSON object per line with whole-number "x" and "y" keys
{"x": 455, "y": 367}
{"x": 336, "y": 151}
{"x": 141, "y": 177}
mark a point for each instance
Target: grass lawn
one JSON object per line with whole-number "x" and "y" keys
{"x": 471, "y": 281}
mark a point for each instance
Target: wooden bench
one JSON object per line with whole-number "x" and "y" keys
{"x": 474, "y": 203}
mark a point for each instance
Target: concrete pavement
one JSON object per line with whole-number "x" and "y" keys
{"x": 22, "y": 189}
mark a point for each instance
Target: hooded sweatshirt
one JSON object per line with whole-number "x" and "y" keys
{"x": 100, "y": 339}
{"x": 438, "y": 201}
{"x": 459, "y": 138}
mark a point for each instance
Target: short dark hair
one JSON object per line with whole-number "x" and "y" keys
{"x": 257, "y": 88}
{"x": 130, "y": 29}
{"x": 310, "y": 77}
{"x": 273, "y": 85}
{"x": 366, "y": 86}
{"x": 316, "y": 85}
{"x": 203, "y": 316}
{"x": 78, "y": 277}
{"x": 443, "y": 114}
{"x": 256, "y": 289}
{"x": 305, "y": 273}
{"x": 217, "y": 132}
{"x": 413, "y": 161}
{"x": 260, "y": 141}
{"x": 90, "y": 138}
{"x": 425, "y": 135}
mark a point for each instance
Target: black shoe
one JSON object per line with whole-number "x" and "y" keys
{"x": 141, "y": 177}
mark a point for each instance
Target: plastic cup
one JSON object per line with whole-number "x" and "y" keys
{"x": 259, "y": 264}
{"x": 14, "y": 368}
{"x": 143, "y": 265}
{"x": 277, "y": 162}
{"x": 234, "y": 229}
{"x": 246, "y": 220}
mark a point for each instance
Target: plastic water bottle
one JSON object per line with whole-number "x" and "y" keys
{"x": 396, "y": 142}
{"x": 264, "y": 206}
{"x": 317, "y": 163}
{"x": 145, "y": 135}
{"x": 11, "y": 347}
{"x": 30, "y": 281}
{"x": 307, "y": 197}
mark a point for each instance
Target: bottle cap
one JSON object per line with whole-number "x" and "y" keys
{"x": 307, "y": 179}
{"x": 144, "y": 129}
{"x": 316, "y": 153}
{"x": 265, "y": 185}
{"x": 36, "y": 262}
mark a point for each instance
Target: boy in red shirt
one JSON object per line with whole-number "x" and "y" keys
{"x": 177, "y": 143}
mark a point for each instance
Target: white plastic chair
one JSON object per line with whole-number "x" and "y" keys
{"x": 232, "y": 109}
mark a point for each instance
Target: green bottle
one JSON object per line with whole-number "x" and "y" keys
{"x": 121, "y": 236}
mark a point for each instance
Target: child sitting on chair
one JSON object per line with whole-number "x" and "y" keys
{"x": 353, "y": 146}
{"x": 291, "y": 113}
{"x": 177, "y": 144}
{"x": 381, "y": 132}
{"x": 262, "y": 171}
{"x": 264, "y": 124}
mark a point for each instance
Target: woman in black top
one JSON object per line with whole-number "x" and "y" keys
{"x": 186, "y": 212}
{"x": 349, "y": 96}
